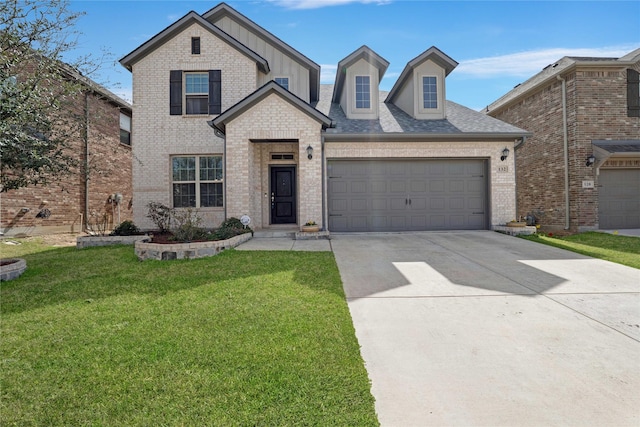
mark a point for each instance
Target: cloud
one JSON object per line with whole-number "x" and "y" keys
{"x": 328, "y": 73}
{"x": 315, "y": 4}
{"x": 525, "y": 64}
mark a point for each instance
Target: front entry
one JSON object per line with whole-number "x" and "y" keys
{"x": 283, "y": 195}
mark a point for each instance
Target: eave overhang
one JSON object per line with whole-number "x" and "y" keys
{"x": 178, "y": 26}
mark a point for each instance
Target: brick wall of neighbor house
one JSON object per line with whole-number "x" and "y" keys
{"x": 501, "y": 174}
{"x": 596, "y": 109}
{"x": 158, "y": 135}
{"x": 64, "y": 197}
{"x": 264, "y": 121}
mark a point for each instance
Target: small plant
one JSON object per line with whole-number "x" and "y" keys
{"x": 126, "y": 228}
{"x": 310, "y": 223}
{"x": 160, "y": 215}
{"x": 188, "y": 226}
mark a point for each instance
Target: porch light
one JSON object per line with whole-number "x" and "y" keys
{"x": 591, "y": 160}
{"x": 309, "y": 152}
{"x": 505, "y": 154}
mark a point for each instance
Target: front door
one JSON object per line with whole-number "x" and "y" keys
{"x": 283, "y": 195}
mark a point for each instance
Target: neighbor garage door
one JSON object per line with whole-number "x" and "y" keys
{"x": 619, "y": 198}
{"x": 407, "y": 195}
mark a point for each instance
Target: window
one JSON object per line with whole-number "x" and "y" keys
{"x": 201, "y": 94}
{"x": 195, "y": 45}
{"x": 429, "y": 92}
{"x": 363, "y": 92}
{"x": 282, "y": 81}
{"x": 633, "y": 93}
{"x": 197, "y": 93}
{"x": 197, "y": 182}
{"x": 125, "y": 129}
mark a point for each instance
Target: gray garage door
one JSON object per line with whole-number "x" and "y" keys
{"x": 407, "y": 195}
{"x": 619, "y": 198}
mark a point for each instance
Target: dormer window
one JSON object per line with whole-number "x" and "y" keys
{"x": 195, "y": 45}
{"x": 363, "y": 92}
{"x": 282, "y": 81}
{"x": 429, "y": 92}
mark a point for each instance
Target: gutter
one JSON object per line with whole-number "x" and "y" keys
{"x": 423, "y": 137}
{"x": 565, "y": 137}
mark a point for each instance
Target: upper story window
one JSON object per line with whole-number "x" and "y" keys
{"x": 195, "y": 45}
{"x": 633, "y": 93}
{"x": 197, "y": 93}
{"x": 125, "y": 129}
{"x": 282, "y": 81}
{"x": 201, "y": 93}
{"x": 429, "y": 92}
{"x": 363, "y": 92}
{"x": 197, "y": 181}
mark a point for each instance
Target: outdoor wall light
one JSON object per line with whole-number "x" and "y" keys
{"x": 505, "y": 154}
{"x": 309, "y": 152}
{"x": 591, "y": 160}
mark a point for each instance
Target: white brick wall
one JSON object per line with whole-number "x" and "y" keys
{"x": 157, "y": 135}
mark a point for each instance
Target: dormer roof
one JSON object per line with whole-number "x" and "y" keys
{"x": 364, "y": 52}
{"x": 224, "y": 10}
{"x": 178, "y": 26}
{"x": 434, "y": 54}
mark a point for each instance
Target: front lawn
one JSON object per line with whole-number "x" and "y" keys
{"x": 96, "y": 337}
{"x": 620, "y": 249}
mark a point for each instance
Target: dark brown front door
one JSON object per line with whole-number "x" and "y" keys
{"x": 283, "y": 195}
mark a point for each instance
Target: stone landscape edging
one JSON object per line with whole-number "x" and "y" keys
{"x": 91, "y": 241}
{"x": 165, "y": 252}
{"x": 13, "y": 270}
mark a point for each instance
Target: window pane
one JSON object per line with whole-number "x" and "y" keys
{"x": 429, "y": 92}
{"x": 211, "y": 168}
{"x": 184, "y": 195}
{"x": 125, "y": 137}
{"x": 283, "y": 81}
{"x": 363, "y": 92}
{"x": 184, "y": 168}
{"x": 197, "y": 104}
{"x": 211, "y": 195}
{"x": 197, "y": 83}
{"x": 125, "y": 122}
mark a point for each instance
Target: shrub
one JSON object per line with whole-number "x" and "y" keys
{"x": 229, "y": 228}
{"x": 188, "y": 226}
{"x": 126, "y": 228}
{"x": 160, "y": 215}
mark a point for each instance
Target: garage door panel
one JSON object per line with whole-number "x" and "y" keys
{"x": 407, "y": 195}
{"x": 619, "y": 198}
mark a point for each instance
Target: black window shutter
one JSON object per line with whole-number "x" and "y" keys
{"x": 215, "y": 91}
{"x": 633, "y": 93}
{"x": 175, "y": 92}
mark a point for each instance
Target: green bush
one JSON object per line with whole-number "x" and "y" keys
{"x": 160, "y": 215}
{"x": 229, "y": 228}
{"x": 126, "y": 228}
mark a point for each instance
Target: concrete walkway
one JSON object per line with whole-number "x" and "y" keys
{"x": 483, "y": 329}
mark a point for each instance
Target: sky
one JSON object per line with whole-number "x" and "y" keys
{"x": 497, "y": 44}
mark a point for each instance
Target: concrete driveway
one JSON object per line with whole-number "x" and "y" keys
{"x": 483, "y": 329}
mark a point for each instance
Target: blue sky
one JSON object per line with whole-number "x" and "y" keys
{"x": 497, "y": 44}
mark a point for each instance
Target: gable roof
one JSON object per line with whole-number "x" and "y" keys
{"x": 434, "y": 54}
{"x": 364, "y": 52}
{"x": 269, "y": 88}
{"x": 187, "y": 20}
{"x": 224, "y": 10}
{"x": 549, "y": 73}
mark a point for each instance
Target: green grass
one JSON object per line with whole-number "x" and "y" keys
{"x": 95, "y": 337}
{"x": 620, "y": 249}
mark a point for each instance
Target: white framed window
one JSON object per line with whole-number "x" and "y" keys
{"x": 196, "y": 93}
{"x": 363, "y": 92}
{"x": 125, "y": 129}
{"x": 282, "y": 81}
{"x": 429, "y": 92}
{"x": 197, "y": 181}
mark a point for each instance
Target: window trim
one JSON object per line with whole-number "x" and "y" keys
{"x": 423, "y": 94}
{"x": 197, "y": 181}
{"x": 355, "y": 92}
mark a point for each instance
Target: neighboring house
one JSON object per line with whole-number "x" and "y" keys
{"x": 71, "y": 202}
{"x": 577, "y": 108}
{"x": 232, "y": 121}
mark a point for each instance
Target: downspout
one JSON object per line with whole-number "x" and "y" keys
{"x": 565, "y": 137}
{"x": 324, "y": 193}
{"x": 86, "y": 157}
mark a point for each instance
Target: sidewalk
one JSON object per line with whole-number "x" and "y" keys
{"x": 285, "y": 244}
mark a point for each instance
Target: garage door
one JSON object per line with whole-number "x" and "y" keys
{"x": 407, "y": 195}
{"x": 619, "y": 198}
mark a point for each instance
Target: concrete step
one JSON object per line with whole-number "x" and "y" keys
{"x": 269, "y": 234}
